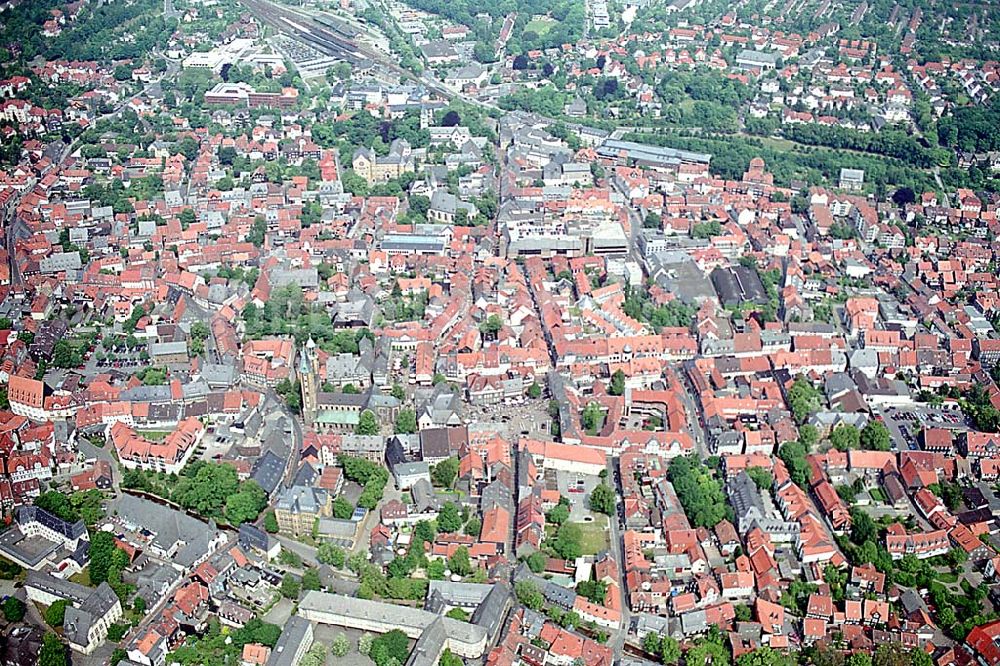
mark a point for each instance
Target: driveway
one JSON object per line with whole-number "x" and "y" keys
{"x": 280, "y": 613}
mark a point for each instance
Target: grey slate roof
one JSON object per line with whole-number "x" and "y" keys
{"x": 67, "y": 530}
{"x": 79, "y": 620}
{"x": 295, "y": 631}
{"x": 267, "y": 472}
{"x": 492, "y": 612}
{"x": 169, "y": 527}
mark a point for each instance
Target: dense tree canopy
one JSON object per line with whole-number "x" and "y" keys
{"x": 602, "y": 499}
{"x": 699, "y": 492}
{"x": 371, "y": 476}
{"x": 875, "y": 437}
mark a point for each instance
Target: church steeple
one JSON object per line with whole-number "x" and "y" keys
{"x": 309, "y": 380}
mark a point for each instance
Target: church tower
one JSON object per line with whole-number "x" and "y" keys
{"x": 309, "y": 381}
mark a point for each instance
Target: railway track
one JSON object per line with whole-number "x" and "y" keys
{"x": 307, "y": 29}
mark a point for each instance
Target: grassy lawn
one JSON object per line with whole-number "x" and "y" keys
{"x": 777, "y": 143}
{"x": 877, "y": 495}
{"x": 593, "y": 432}
{"x": 82, "y": 578}
{"x": 948, "y": 578}
{"x": 540, "y": 26}
{"x": 155, "y": 435}
{"x": 595, "y": 536}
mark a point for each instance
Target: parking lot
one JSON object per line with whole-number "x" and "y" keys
{"x": 117, "y": 358}
{"x": 906, "y": 423}
{"x": 214, "y": 447}
{"x": 529, "y": 419}
{"x": 576, "y": 488}
{"x": 942, "y": 417}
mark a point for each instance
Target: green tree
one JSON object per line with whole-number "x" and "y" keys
{"x": 406, "y": 422}
{"x": 393, "y": 645}
{"x": 342, "y": 508}
{"x": 289, "y": 558}
{"x": 365, "y": 644}
{"x": 449, "y": 519}
{"x": 568, "y": 541}
{"x": 448, "y": 658}
{"x": 534, "y": 391}
{"x": 424, "y": 532}
{"x": 558, "y": 514}
{"x": 793, "y": 454}
{"x": 617, "y": 386}
{"x": 536, "y": 561}
{"x": 227, "y": 154}
{"x": 845, "y": 437}
{"x": 592, "y": 417}
{"x": 445, "y": 472}
{"x": 311, "y": 581}
{"x": 875, "y": 437}
{"x": 707, "y": 652}
{"x": 89, "y": 505}
{"x": 458, "y": 614}
{"x": 473, "y": 527}
{"x": 602, "y": 499}
{"x": 761, "y": 477}
{"x": 258, "y": 231}
{"x": 102, "y": 548}
{"x": 419, "y": 205}
{"x": 529, "y": 595}
{"x": 491, "y": 326}
{"x": 370, "y": 475}
{"x": 270, "y": 522}
{"x": 367, "y": 423}
{"x": 316, "y": 655}
{"x": 706, "y": 229}
{"x": 765, "y": 656}
{"x": 246, "y": 505}
{"x": 699, "y": 492}
{"x": 435, "y": 570}
{"x": 803, "y": 399}
{"x": 340, "y": 645}
{"x": 670, "y": 650}
{"x": 891, "y": 654}
{"x": 65, "y": 356}
{"x": 290, "y": 587}
{"x": 863, "y": 528}
{"x": 13, "y": 609}
{"x": 58, "y": 504}
{"x": 331, "y": 554}
{"x": 340, "y": 71}
{"x": 594, "y": 590}
{"x": 919, "y": 657}
{"x": 56, "y": 613}
{"x": 187, "y": 217}
{"x": 53, "y": 652}
{"x": 459, "y": 562}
